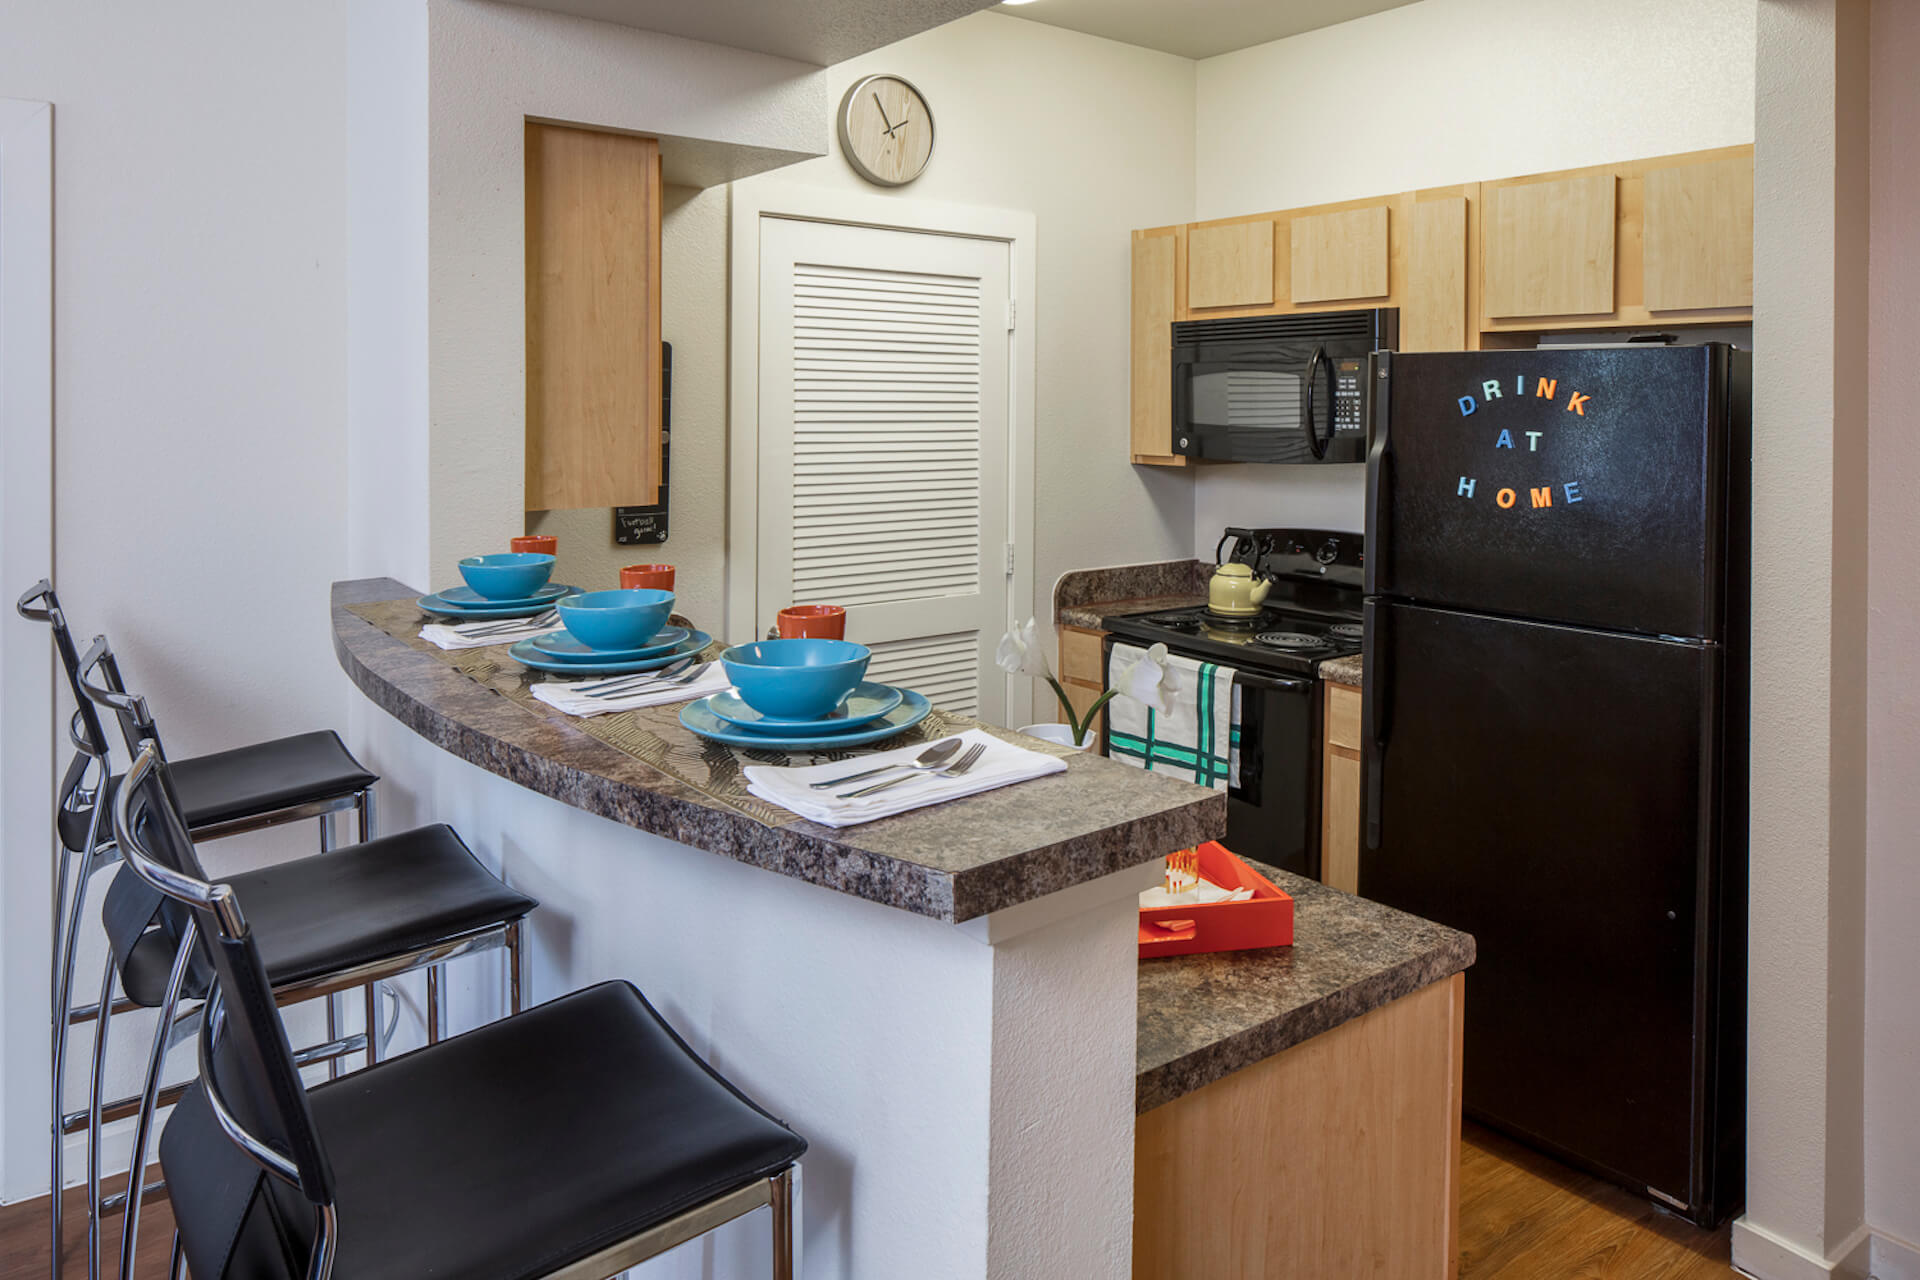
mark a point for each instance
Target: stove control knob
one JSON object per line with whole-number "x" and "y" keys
{"x": 1329, "y": 552}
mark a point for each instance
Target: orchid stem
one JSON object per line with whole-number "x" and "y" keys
{"x": 1079, "y": 724}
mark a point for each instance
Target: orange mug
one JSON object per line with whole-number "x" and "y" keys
{"x": 537, "y": 543}
{"x": 814, "y": 621}
{"x": 657, "y": 576}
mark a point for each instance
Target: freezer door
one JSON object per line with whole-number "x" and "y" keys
{"x": 1548, "y": 790}
{"x": 1573, "y": 486}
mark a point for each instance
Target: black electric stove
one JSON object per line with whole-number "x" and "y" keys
{"x": 1312, "y": 612}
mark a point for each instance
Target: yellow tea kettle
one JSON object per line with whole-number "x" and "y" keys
{"x": 1234, "y": 590}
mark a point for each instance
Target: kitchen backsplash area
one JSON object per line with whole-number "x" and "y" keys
{"x": 1256, "y": 495}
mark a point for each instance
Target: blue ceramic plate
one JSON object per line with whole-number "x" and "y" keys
{"x": 467, "y": 597}
{"x": 912, "y": 710}
{"x": 435, "y": 605}
{"x": 527, "y": 656}
{"x": 867, "y": 703}
{"x": 566, "y": 646}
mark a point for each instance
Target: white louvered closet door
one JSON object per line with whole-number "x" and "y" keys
{"x": 884, "y": 445}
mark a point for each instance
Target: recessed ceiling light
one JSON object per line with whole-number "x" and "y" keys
{"x": 1009, "y": 3}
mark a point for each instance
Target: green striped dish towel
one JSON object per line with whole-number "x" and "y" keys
{"x": 1196, "y": 738}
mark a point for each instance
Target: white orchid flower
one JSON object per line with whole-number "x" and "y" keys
{"x": 1021, "y": 652}
{"x": 1150, "y": 680}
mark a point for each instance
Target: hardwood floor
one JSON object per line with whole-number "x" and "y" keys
{"x": 23, "y": 1238}
{"x": 1522, "y": 1217}
{"x": 1525, "y": 1217}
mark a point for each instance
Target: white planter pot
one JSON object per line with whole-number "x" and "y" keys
{"x": 1060, "y": 735}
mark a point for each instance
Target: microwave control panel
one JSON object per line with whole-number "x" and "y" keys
{"x": 1349, "y": 396}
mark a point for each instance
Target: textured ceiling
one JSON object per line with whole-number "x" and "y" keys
{"x": 1196, "y": 28}
{"x": 822, "y": 32}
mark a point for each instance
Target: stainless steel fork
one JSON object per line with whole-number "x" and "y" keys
{"x": 968, "y": 758}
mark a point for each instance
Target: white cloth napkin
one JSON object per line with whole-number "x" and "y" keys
{"x": 461, "y": 637}
{"x": 1002, "y": 765}
{"x": 564, "y": 696}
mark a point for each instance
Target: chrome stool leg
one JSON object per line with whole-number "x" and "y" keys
{"x": 436, "y": 1004}
{"x": 177, "y": 1265}
{"x": 149, "y": 1097}
{"x": 333, "y": 1001}
{"x": 516, "y": 968}
{"x": 363, "y": 811}
{"x": 781, "y": 1198}
{"x": 96, "y": 1087}
{"x": 66, "y": 931}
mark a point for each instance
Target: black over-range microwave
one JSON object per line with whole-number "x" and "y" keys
{"x": 1277, "y": 388}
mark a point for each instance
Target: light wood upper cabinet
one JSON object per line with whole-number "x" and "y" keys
{"x": 1230, "y": 265}
{"x": 1698, "y": 247}
{"x": 1548, "y": 247}
{"x": 1433, "y": 315}
{"x": 1153, "y": 311}
{"x": 593, "y": 319}
{"x": 1339, "y": 255}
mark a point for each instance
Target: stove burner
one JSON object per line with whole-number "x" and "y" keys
{"x": 1348, "y": 631}
{"x": 1233, "y": 619}
{"x": 1177, "y": 622}
{"x": 1288, "y": 640}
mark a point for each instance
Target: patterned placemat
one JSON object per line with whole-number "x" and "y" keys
{"x": 654, "y": 735}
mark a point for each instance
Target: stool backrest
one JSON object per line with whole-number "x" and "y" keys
{"x": 41, "y": 604}
{"x": 98, "y": 680}
{"x": 248, "y": 1077}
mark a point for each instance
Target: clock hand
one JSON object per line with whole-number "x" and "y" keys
{"x": 883, "y": 113}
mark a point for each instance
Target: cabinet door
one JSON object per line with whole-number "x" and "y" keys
{"x": 1153, "y": 307}
{"x": 1549, "y": 247}
{"x": 1699, "y": 235}
{"x": 1231, "y": 265}
{"x": 1339, "y": 255}
{"x": 1434, "y": 315}
{"x": 593, "y": 319}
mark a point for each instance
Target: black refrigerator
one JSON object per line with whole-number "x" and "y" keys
{"x": 1555, "y": 724}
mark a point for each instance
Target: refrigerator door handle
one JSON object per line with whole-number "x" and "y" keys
{"x": 1376, "y": 692}
{"x": 1379, "y": 469}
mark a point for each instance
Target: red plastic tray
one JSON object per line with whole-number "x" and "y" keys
{"x": 1265, "y": 920}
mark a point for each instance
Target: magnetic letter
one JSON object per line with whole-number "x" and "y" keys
{"x": 1546, "y": 388}
{"x": 1490, "y": 389}
{"x": 1466, "y": 487}
{"x": 1577, "y": 403}
{"x": 1533, "y": 442}
{"x": 1519, "y": 384}
{"x": 1505, "y": 441}
{"x": 1573, "y": 491}
{"x": 1505, "y": 497}
{"x": 1467, "y": 405}
{"x": 1542, "y": 497}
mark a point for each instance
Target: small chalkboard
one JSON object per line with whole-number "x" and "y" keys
{"x": 635, "y": 526}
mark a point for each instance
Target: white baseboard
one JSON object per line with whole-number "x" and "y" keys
{"x": 1892, "y": 1258}
{"x": 1759, "y": 1253}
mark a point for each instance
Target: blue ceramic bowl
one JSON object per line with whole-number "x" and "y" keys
{"x": 510, "y": 575}
{"x": 795, "y": 679}
{"x": 623, "y": 619}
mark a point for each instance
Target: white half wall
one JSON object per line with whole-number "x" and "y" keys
{"x": 1436, "y": 93}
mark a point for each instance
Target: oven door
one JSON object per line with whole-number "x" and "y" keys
{"x": 1273, "y": 811}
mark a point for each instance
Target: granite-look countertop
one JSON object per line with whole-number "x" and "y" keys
{"x": 1203, "y": 1017}
{"x": 1347, "y": 671}
{"x": 1084, "y": 596}
{"x": 952, "y": 862}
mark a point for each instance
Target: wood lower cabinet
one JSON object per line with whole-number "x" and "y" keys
{"x": 1340, "y": 789}
{"x": 1082, "y": 670}
{"x": 1338, "y": 1157}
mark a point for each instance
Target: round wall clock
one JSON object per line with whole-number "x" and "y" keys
{"x": 886, "y": 130}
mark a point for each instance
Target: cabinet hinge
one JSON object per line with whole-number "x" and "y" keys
{"x": 1011, "y": 315}
{"x": 1009, "y": 559}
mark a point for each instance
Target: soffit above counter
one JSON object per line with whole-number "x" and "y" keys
{"x": 821, "y": 32}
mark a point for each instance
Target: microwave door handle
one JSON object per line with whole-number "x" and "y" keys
{"x": 1314, "y": 444}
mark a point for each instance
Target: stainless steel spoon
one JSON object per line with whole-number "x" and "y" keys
{"x": 934, "y": 757}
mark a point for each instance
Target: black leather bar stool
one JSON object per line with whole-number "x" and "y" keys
{"x": 338, "y": 920}
{"x": 310, "y": 775}
{"x": 574, "y": 1140}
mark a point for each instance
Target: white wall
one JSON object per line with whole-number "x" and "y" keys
{"x": 1442, "y": 92}
{"x": 1893, "y": 641}
{"x": 200, "y": 379}
{"x": 1093, "y": 138}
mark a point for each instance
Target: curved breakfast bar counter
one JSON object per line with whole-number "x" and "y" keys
{"x": 953, "y": 862}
